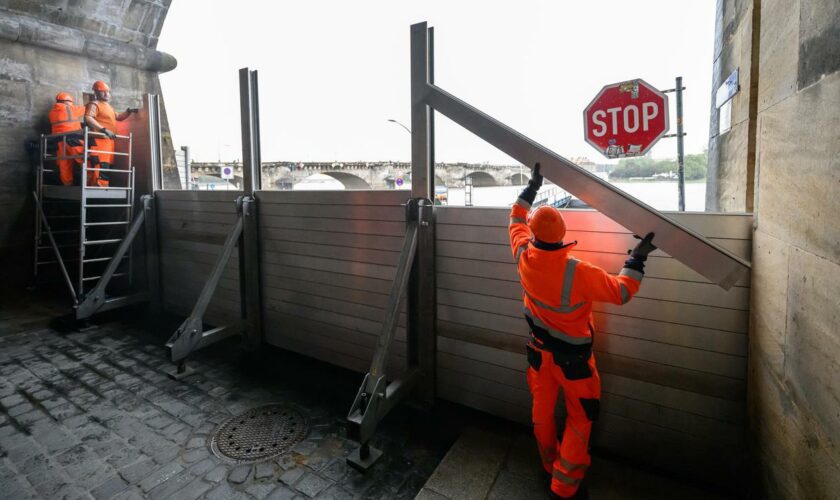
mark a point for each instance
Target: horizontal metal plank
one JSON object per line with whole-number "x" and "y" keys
{"x": 711, "y": 225}
{"x": 354, "y": 295}
{"x": 494, "y": 406}
{"x": 666, "y": 354}
{"x": 338, "y": 253}
{"x": 519, "y": 396}
{"x": 674, "y": 312}
{"x": 484, "y": 320}
{"x": 173, "y": 228}
{"x": 352, "y": 240}
{"x": 364, "y": 325}
{"x": 384, "y": 228}
{"x": 363, "y": 269}
{"x": 652, "y": 288}
{"x": 586, "y": 240}
{"x": 346, "y": 197}
{"x": 318, "y": 210}
{"x": 207, "y": 252}
{"x": 222, "y": 207}
{"x": 275, "y": 274}
{"x": 670, "y": 418}
{"x": 357, "y": 343}
{"x": 166, "y": 195}
{"x": 493, "y": 375}
{"x": 700, "y": 404}
{"x": 205, "y": 217}
{"x": 482, "y": 345}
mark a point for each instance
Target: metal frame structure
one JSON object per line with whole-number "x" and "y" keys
{"x": 692, "y": 249}
{"x": 191, "y": 335}
{"x": 87, "y": 301}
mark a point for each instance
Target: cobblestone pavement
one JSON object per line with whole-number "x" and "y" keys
{"x": 93, "y": 415}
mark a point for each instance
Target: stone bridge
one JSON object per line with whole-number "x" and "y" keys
{"x": 372, "y": 175}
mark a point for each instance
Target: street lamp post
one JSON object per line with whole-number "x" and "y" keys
{"x": 400, "y": 124}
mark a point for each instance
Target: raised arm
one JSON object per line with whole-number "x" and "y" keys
{"x": 520, "y": 233}
{"x": 604, "y": 287}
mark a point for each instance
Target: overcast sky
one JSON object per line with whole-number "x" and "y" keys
{"x": 331, "y": 73}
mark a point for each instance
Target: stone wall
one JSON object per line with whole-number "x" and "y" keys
{"x": 731, "y": 154}
{"x": 794, "y": 395}
{"x": 47, "y": 47}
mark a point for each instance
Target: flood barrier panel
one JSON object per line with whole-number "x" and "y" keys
{"x": 672, "y": 360}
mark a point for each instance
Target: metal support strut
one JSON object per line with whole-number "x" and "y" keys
{"x": 191, "y": 335}
{"x": 376, "y": 397}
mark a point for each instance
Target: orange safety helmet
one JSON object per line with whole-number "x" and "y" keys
{"x": 63, "y": 96}
{"x": 547, "y": 224}
{"x": 100, "y": 86}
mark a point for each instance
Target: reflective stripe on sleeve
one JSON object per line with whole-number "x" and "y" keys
{"x": 518, "y": 220}
{"x": 523, "y": 203}
{"x": 519, "y": 252}
{"x": 625, "y": 294}
{"x": 636, "y": 275}
{"x": 565, "y": 337}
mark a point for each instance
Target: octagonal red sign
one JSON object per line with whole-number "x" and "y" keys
{"x": 626, "y": 119}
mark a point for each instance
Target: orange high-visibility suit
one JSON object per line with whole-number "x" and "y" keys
{"x": 101, "y": 157}
{"x": 558, "y": 294}
{"x": 66, "y": 117}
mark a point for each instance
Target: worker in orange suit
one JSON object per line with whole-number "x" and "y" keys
{"x": 66, "y": 117}
{"x": 101, "y": 117}
{"x": 558, "y": 294}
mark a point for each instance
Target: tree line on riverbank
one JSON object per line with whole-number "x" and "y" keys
{"x": 644, "y": 166}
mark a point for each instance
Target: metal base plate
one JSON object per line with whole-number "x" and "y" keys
{"x": 176, "y": 375}
{"x": 363, "y": 464}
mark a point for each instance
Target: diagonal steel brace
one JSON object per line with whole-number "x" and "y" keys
{"x": 191, "y": 335}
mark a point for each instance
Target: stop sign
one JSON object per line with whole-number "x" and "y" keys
{"x": 626, "y": 119}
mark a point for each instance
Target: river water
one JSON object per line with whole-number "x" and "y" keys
{"x": 661, "y": 195}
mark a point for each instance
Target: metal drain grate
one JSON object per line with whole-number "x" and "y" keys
{"x": 259, "y": 434}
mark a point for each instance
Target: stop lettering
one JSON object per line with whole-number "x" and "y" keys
{"x": 626, "y": 119}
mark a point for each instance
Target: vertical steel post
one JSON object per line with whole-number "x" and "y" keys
{"x": 186, "y": 150}
{"x": 152, "y": 253}
{"x": 249, "y": 249}
{"x": 422, "y": 317}
{"x": 154, "y": 179}
{"x": 680, "y": 151}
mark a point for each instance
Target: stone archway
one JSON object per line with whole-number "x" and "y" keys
{"x": 519, "y": 179}
{"x": 482, "y": 179}
{"x": 350, "y": 181}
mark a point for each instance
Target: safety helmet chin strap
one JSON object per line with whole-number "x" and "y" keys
{"x": 544, "y": 245}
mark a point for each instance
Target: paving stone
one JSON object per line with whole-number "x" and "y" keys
{"x": 240, "y": 474}
{"x": 196, "y": 443}
{"x": 335, "y": 470}
{"x": 195, "y": 455}
{"x": 201, "y": 468}
{"x": 193, "y": 490}
{"x": 264, "y": 470}
{"x": 19, "y": 409}
{"x": 135, "y": 472}
{"x": 261, "y": 490}
{"x": 109, "y": 488}
{"x": 224, "y": 491}
{"x": 171, "y": 485}
{"x": 291, "y": 476}
{"x": 282, "y": 493}
{"x": 217, "y": 474}
{"x": 159, "y": 476}
{"x": 10, "y": 401}
{"x": 129, "y": 494}
{"x": 311, "y": 484}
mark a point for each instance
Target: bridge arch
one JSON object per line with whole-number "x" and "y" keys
{"x": 518, "y": 179}
{"x": 481, "y": 179}
{"x": 350, "y": 181}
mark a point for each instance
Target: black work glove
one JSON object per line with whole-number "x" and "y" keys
{"x": 109, "y": 134}
{"x": 643, "y": 248}
{"x": 130, "y": 110}
{"x": 529, "y": 194}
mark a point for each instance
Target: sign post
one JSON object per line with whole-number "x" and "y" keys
{"x": 680, "y": 150}
{"x": 626, "y": 119}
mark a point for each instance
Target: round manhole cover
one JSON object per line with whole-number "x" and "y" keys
{"x": 259, "y": 434}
